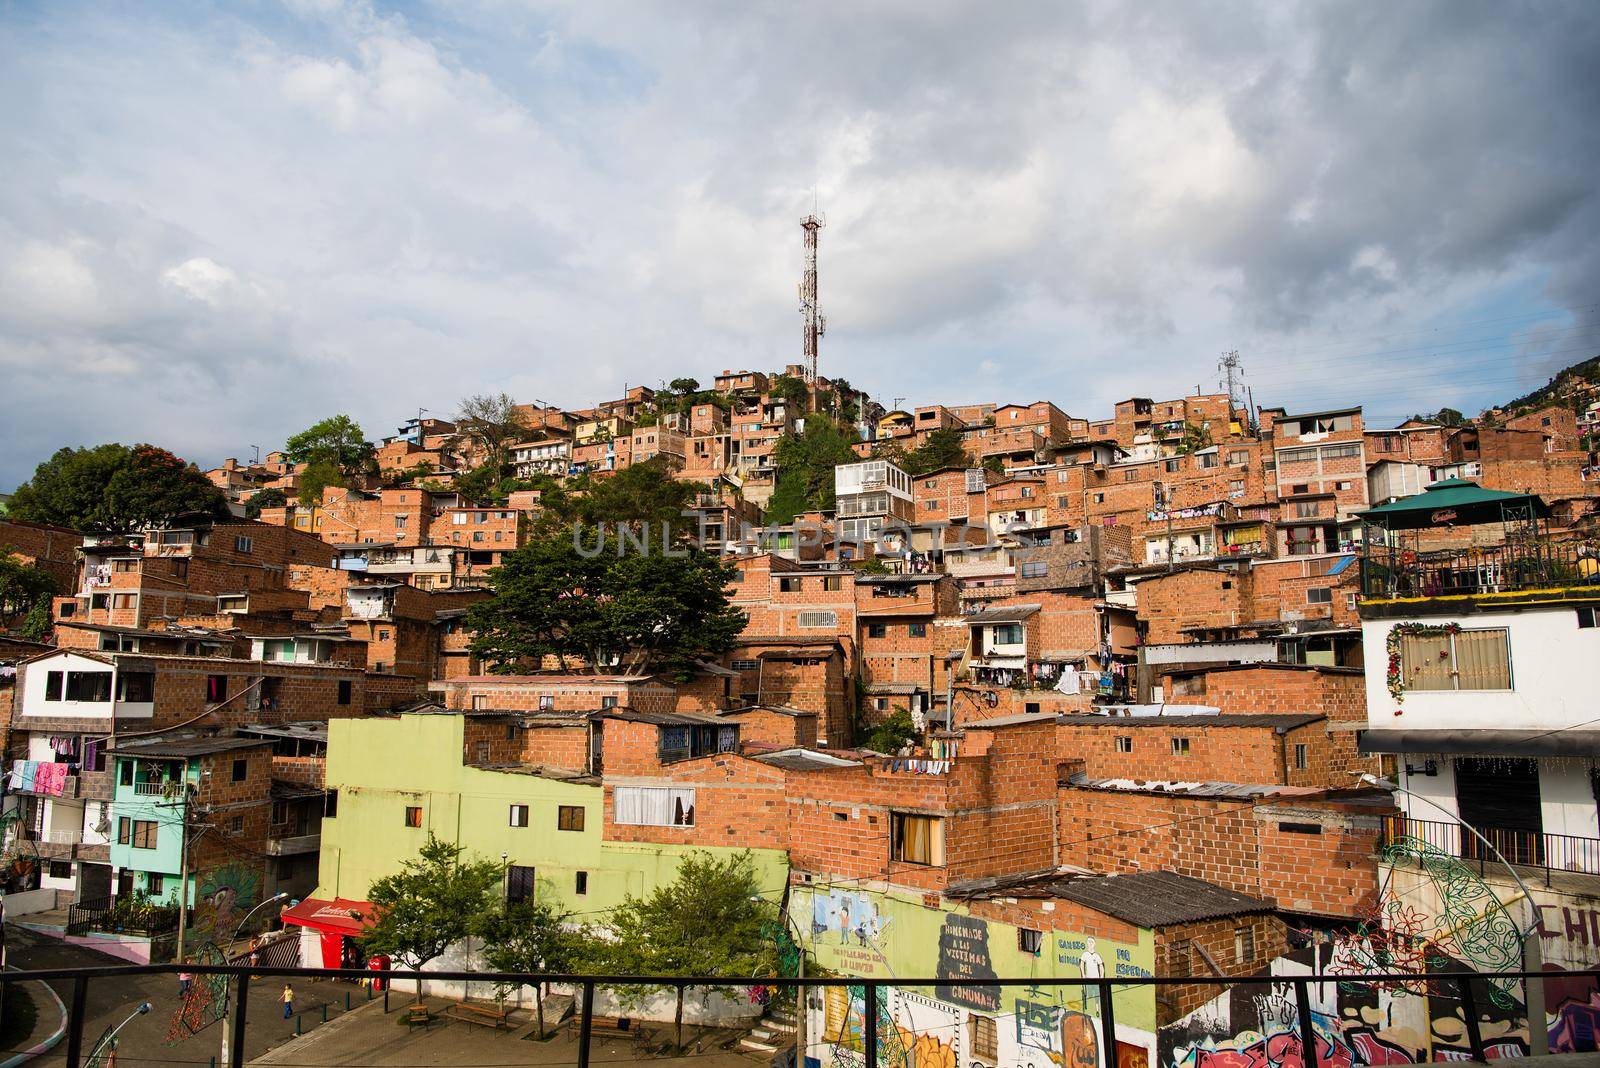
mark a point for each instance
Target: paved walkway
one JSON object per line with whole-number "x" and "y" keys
{"x": 368, "y": 1037}
{"x": 144, "y": 1041}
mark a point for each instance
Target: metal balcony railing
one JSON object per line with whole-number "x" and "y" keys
{"x": 1394, "y": 571}
{"x": 1534, "y": 849}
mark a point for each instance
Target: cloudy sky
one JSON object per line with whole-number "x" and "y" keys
{"x": 220, "y": 223}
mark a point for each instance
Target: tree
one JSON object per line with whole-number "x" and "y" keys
{"x": 642, "y": 493}
{"x": 1195, "y": 437}
{"x": 313, "y": 479}
{"x": 708, "y": 921}
{"x": 530, "y": 936}
{"x": 940, "y": 449}
{"x": 682, "y": 386}
{"x": 805, "y": 468}
{"x": 789, "y": 388}
{"x": 893, "y": 734}
{"x": 25, "y": 591}
{"x": 431, "y": 903}
{"x": 648, "y": 610}
{"x": 336, "y": 440}
{"x": 115, "y": 489}
{"x": 492, "y": 423}
{"x": 267, "y": 498}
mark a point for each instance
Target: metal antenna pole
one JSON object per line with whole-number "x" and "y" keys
{"x": 815, "y": 324}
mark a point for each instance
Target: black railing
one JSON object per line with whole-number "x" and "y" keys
{"x": 1465, "y": 987}
{"x": 120, "y": 917}
{"x": 1396, "y": 571}
{"x": 1533, "y": 849}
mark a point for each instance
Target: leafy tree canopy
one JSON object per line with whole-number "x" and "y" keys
{"x": 645, "y": 611}
{"x": 267, "y": 498}
{"x": 792, "y": 389}
{"x": 531, "y": 936}
{"x": 684, "y": 385}
{"x": 24, "y": 588}
{"x": 892, "y": 734}
{"x": 116, "y": 489}
{"x": 336, "y": 441}
{"x": 435, "y": 900}
{"x": 805, "y": 464}
{"x": 492, "y": 423}
{"x": 314, "y": 478}
{"x": 710, "y": 920}
{"x": 940, "y": 449}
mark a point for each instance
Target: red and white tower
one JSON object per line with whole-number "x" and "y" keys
{"x": 815, "y": 323}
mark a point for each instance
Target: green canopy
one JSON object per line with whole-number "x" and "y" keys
{"x": 1454, "y": 502}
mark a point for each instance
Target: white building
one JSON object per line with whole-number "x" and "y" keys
{"x": 867, "y": 495}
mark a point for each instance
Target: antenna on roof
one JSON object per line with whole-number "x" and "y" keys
{"x": 815, "y": 323}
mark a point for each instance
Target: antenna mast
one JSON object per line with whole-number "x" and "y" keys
{"x": 815, "y": 324}
{"x": 1232, "y": 378}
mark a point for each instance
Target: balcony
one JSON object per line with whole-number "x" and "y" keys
{"x": 1392, "y": 571}
{"x": 1533, "y": 849}
{"x": 152, "y": 789}
{"x": 301, "y": 843}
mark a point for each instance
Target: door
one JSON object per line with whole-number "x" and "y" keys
{"x": 1500, "y": 797}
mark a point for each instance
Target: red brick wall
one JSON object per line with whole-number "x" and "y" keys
{"x": 1199, "y": 597}
{"x": 1192, "y": 949}
{"x": 1227, "y": 754}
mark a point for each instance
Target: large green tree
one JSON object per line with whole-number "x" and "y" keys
{"x": 116, "y": 489}
{"x": 531, "y": 936}
{"x": 434, "y": 901}
{"x": 805, "y": 464}
{"x": 595, "y": 596}
{"x": 25, "y": 592}
{"x": 711, "y": 920}
{"x": 940, "y": 449}
{"x": 336, "y": 440}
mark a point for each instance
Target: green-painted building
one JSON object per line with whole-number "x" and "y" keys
{"x": 397, "y": 780}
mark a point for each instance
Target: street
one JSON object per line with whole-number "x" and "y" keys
{"x": 144, "y": 1041}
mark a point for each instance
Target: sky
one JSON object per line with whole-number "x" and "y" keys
{"x": 221, "y": 223}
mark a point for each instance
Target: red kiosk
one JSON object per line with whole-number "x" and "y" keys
{"x": 339, "y": 923}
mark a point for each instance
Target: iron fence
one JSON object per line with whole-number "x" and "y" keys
{"x": 1396, "y": 571}
{"x": 119, "y": 917}
{"x": 1469, "y": 989}
{"x": 1534, "y": 849}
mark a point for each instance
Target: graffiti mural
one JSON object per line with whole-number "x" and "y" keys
{"x": 964, "y": 955}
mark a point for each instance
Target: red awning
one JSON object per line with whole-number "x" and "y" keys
{"x": 339, "y": 916}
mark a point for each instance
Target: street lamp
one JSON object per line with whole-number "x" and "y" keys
{"x": 227, "y": 1017}
{"x": 1532, "y": 950}
{"x": 800, "y": 973}
{"x": 108, "y": 1041}
{"x": 279, "y": 896}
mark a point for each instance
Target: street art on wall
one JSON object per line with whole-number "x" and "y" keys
{"x": 964, "y": 955}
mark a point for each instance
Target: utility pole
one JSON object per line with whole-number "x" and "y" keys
{"x": 183, "y": 870}
{"x": 815, "y": 323}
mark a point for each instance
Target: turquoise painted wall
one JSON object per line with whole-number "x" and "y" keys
{"x": 167, "y": 811}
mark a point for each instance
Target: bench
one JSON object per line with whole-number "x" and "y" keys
{"x": 418, "y": 1014}
{"x": 496, "y": 1016}
{"x": 603, "y": 1026}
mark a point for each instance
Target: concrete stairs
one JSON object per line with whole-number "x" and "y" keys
{"x": 773, "y": 1032}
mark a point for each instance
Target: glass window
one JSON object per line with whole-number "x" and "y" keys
{"x": 1180, "y": 746}
{"x": 241, "y": 769}
{"x": 653, "y": 806}
{"x": 52, "y": 685}
{"x": 580, "y": 884}
{"x": 1467, "y": 660}
{"x": 519, "y": 883}
{"x": 917, "y": 839}
{"x": 413, "y": 815}
{"x": 519, "y": 815}
{"x": 569, "y": 818}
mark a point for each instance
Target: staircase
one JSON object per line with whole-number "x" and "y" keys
{"x": 772, "y": 1032}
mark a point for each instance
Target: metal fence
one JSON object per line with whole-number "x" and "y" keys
{"x": 1396, "y": 571}
{"x": 1534, "y": 849}
{"x": 103, "y": 914}
{"x": 1469, "y": 988}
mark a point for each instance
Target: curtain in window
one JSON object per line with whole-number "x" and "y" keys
{"x": 1483, "y": 660}
{"x": 653, "y": 806}
{"x": 1425, "y": 660}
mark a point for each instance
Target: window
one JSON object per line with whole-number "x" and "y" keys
{"x": 519, "y": 815}
{"x": 547, "y": 702}
{"x": 479, "y": 702}
{"x": 653, "y": 806}
{"x": 216, "y": 689}
{"x": 344, "y": 691}
{"x": 144, "y": 834}
{"x": 817, "y": 620}
{"x": 413, "y": 815}
{"x": 1319, "y": 595}
{"x": 125, "y": 772}
{"x": 609, "y": 701}
{"x": 400, "y": 522}
{"x": 52, "y": 685}
{"x": 122, "y": 600}
{"x": 1244, "y": 945}
{"x": 123, "y": 822}
{"x": 1174, "y": 464}
{"x": 137, "y": 687}
{"x": 1300, "y": 756}
{"x": 1030, "y": 941}
{"x": 1008, "y": 634}
{"x": 789, "y": 585}
{"x": 917, "y": 630}
{"x": 1125, "y": 743}
{"x": 330, "y": 805}
{"x": 280, "y": 812}
{"x": 1305, "y": 509}
{"x": 877, "y": 630}
{"x": 88, "y": 686}
{"x": 61, "y": 869}
{"x": 1341, "y": 452}
{"x": 1236, "y": 487}
{"x": 236, "y": 825}
{"x": 1099, "y": 498}
{"x": 1027, "y": 491}
{"x": 1035, "y": 569}
{"x": 519, "y": 883}
{"x": 241, "y": 769}
{"x": 1180, "y": 746}
{"x": 916, "y": 839}
{"x": 830, "y": 582}
{"x": 1239, "y": 458}
{"x": 580, "y": 883}
{"x": 1351, "y": 600}
{"x": 985, "y": 1038}
{"x": 242, "y": 544}
{"x": 1300, "y": 828}
{"x": 569, "y": 818}
{"x": 1588, "y": 618}
{"x": 1466, "y": 660}
{"x": 1206, "y": 459}
{"x": 155, "y": 883}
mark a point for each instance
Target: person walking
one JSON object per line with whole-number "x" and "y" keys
{"x": 185, "y": 981}
{"x": 287, "y": 997}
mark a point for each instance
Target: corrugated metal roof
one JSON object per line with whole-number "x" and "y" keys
{"x": 805, "y": 760}
{"x": 1011, "y": 613}
{"x": 1159, "y": 898}
{"x": 1238, "y": 790}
